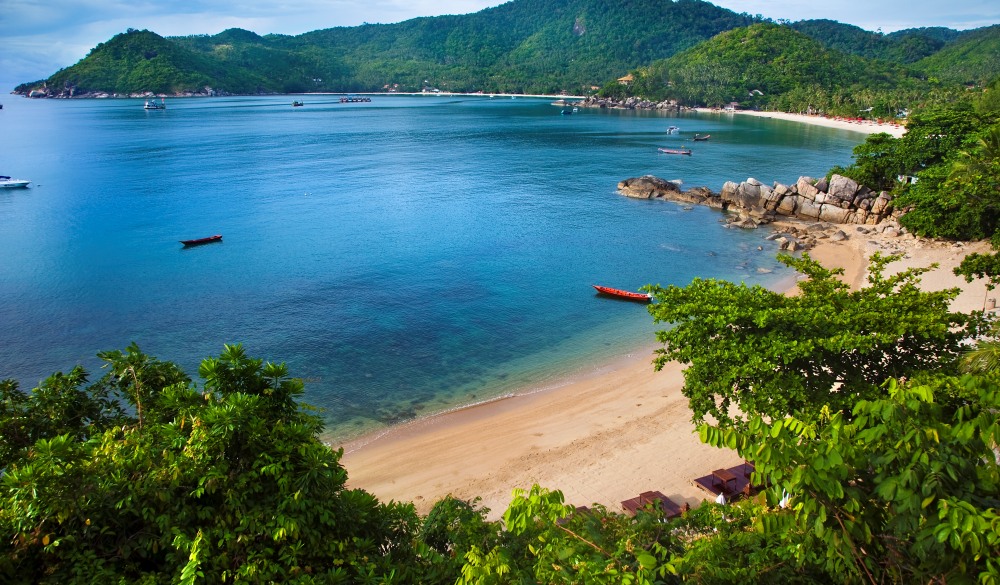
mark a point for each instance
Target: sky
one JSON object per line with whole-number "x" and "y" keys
{"x": 39, "y": 37}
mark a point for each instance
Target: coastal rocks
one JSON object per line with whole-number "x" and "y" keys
{"x": 840, "y": 200}
{"x": 631, "y": 103}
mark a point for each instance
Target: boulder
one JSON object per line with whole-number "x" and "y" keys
{"x": 788, "y": 205}
{"x": 822, "y": 185}
{"x": 808, "y": 209}
{"x": 842, "y": 187}
{"x": 880, "y": 204}
{"x": 753, "y": 182}
{"x": 647, "y": 187}
{"x": 806, "y": 189}
{"x": 833, "y": 214}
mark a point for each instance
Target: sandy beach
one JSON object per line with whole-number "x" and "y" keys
{"x": 603, "y": 438}
{"x": 863, "y": 126}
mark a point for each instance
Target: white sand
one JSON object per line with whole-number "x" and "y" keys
{"x": 864, "y": 126}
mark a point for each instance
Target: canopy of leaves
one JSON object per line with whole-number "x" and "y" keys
{"x": 224, "y": 483}
{"x": 903, "y": 488}
{"x": 751, "y": 350}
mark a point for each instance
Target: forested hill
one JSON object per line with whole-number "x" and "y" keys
{"x": 529, "y": 46}
{"x": 770, "y": 66}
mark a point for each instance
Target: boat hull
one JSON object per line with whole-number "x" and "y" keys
{"x": 13, "y": 184}
{"x": 623, "y": 294}
{"x": 674, "y": 151}
{"x": 200, "y": 241}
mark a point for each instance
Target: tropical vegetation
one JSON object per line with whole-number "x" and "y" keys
{"x": 875, "y": 454}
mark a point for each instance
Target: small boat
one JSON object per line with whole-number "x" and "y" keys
{"x": 675, "y": 151}
{"x": 699, "y": 137}
{"x": 152, "y": 105}
{"x": 673, "y": 129}
{"x": 9, "y": 183}
{"x": 623, "y": 294}
{"x": 297, "y": 104}
{"x": 200, "y": 241}
{"x": 566, "y": 112}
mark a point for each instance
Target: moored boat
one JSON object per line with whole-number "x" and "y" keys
{"x": 673, "y": 129}
{"x": 200, "y": 241}
{"x": 152, "y": 105}
{"x": 9, "y": 183}
{"x": 623, "y": 294}
{"x": 297, "y": 104}
{"x": 674, "y": 151}
{"x": 700, "y": 138}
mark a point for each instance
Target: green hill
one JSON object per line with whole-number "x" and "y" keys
{"x": 769, "y": 66}
{"x": 974, "y": 57}
{"x": 904, "y": 46}
{"x": 531, "y": 46}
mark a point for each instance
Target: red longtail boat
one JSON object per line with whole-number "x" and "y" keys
{"x": 623, "y": 294}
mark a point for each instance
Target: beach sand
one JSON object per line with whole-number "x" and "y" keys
{"x": 864, "y": 126}
{"x": 604, "y": 438}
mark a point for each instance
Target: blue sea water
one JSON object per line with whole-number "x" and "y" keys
{"x": 403, "y": 256}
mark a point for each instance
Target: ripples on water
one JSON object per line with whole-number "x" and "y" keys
{"x": 403, "y": 256}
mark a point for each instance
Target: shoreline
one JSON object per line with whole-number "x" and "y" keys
{"x": 601, "y": 438}
{"x": 864, "y": 126}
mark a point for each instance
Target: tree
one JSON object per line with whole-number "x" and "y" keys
{"x": 227, "y": 484}
{"x": 766, "y": 353}
{"x": 902, "y": 488}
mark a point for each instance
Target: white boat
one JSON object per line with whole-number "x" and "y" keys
{"x": 8, "y": 183}
{"x": 673, "y": 130}
{"x": 152, "y": 105}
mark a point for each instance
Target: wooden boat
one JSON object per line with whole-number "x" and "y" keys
{"x": 623, "y": 294}
{"x": 200, "y": 241}
{"x": 675, "y": 151}
{"x": 700, "y": 138}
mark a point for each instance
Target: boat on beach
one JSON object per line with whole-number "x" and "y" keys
{"x": 9, "y": 183}
{"x": 675, "y": 151}
{"x": 623, "y": 294}
{"x": 200, "y": 241}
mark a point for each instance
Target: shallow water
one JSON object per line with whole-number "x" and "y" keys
{"x": 403, "y": 256}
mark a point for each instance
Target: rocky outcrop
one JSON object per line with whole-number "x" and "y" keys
{"x": 839, "y": 201}
{"x": 631, "y": 103}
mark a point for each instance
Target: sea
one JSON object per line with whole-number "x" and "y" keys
{"x": 404, "y": 256}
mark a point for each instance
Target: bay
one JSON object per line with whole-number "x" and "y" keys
{"x": 403, "y": 256}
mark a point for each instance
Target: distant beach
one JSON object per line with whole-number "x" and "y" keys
{"x": 856, "y": 125}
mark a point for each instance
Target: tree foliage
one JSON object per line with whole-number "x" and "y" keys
{"x": 751, "y": 350}
{"x": 902, "y": 488}
{"x": 224, "y": 483}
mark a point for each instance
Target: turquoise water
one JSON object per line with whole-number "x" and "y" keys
{"x": 403, "y": 256}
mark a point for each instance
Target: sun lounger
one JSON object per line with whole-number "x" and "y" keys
{"x": 649, "y": 499}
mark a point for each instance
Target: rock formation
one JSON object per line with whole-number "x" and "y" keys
{"x": 752, "y": 203}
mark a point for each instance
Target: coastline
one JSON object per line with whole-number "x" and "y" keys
{"x": 602, "y": 438}
{"x": 864, "y": 126}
